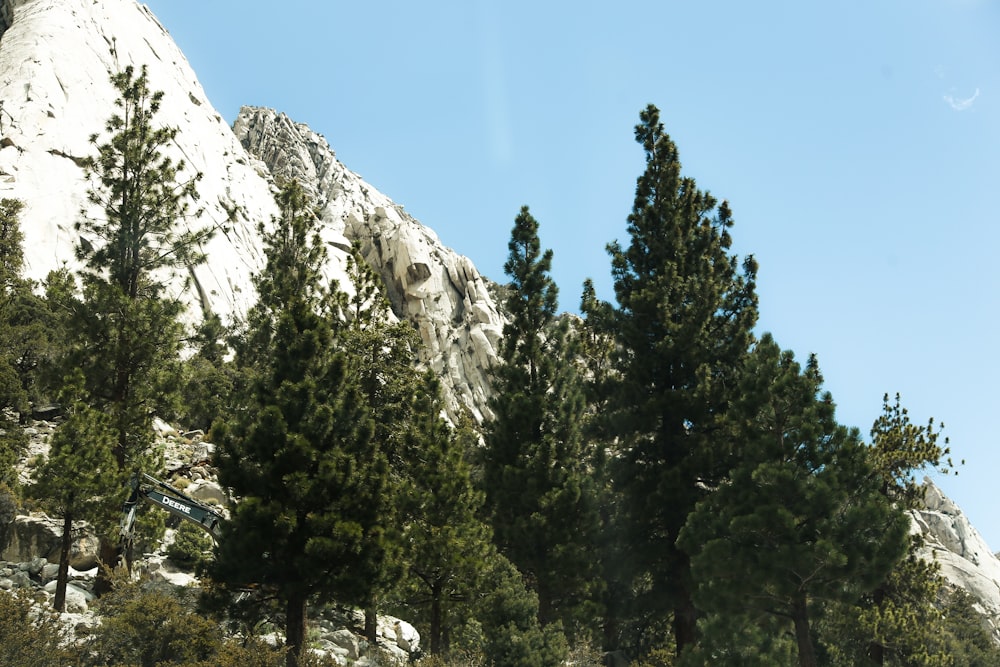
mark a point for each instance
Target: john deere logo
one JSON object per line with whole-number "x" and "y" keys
{"x": 170, "y": 502}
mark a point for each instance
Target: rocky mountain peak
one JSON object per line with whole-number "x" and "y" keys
{"x": 51, "y": 104}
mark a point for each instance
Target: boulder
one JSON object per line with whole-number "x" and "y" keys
{"x": 207, "y": 492}
{"x": 33, "y": 536}
{"x": 77, "y": 599}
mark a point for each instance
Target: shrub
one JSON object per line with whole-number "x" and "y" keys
{"x": 190, "y": 546}
{"x": 145, "y": 627}
{"x": 30, "y": 636}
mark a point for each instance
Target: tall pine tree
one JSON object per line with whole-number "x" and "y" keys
{"x": 801, "y": 518}
{"x": 446, "y": 542}
{"x": 899, "y": 621}
{"x": 299, "y": 453}
{"x": 682, "y": 328}
{"x": 538, "y": 477}
{"x": 127, "y": 325}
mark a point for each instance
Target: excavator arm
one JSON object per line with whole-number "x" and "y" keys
{"x": 161, "y": 494}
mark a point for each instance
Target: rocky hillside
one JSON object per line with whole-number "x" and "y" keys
{"x": 51, "y": 103}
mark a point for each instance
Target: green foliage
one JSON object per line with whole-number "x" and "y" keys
{"x": 508, "y": 615}
{"x": 537, "y": 474}
{"x": 968, "y": 640}
{"x": 125, "y": 327}
{"x": 299, "y": 451}
{"x": 139, "y": 193}
{"x": 146, "y": 627}
{"x": 801, "y": 518}
{"x": 446, "y": 544}
{"x": 680, "y": 331}
{"x": 208, "y": 381}
{"x": 129, "y": 329}
{"x": 190, "y": 545}
{"x": 899, "y": 450}
{"x": 30, "y": 637}
{"x": 79, "y": 471}
{"x": 899, "y": 623}
{"x": 18, "y": 328}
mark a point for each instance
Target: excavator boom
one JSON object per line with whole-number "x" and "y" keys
{"x": 171, "y": 499}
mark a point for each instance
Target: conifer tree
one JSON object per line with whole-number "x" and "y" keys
{"x": 13, "y": 397}
{"x": 537, "y": 475}
{"x": 899, "y": 620}
{"x": 801, "y": 517}
{"x": 446, "y": 542}
{"x": 682, "y": 327}
{"x": 381, "y": 353}
{"x": 74, "y": 477}
{"x": 127, "y": 328}
{"x": 299, "y": 452}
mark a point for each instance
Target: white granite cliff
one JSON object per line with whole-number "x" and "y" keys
{"x": 435, "y": 288}
{"x": 55, "y": 92}
{"x": 963, "y": 555}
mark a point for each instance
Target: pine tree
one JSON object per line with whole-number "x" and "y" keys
{"x": 682, "y": 328}
{"x": 382, "y": 356}
{"x": 538, "y": 477}
{"x": 898, "y": 620}
{"x": 13, "y": 397}
{"x": 127, "y": 327}
{"x": 801, "y": 518}
{"x": 446, "y": 542}
{"x": 300, "y": 453}
{"x": 77, "y": 472}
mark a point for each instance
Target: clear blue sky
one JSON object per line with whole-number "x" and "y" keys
{"x": 857, "y": 142}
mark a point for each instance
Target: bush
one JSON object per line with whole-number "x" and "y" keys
{"x": 143, "y": 627}
{"x": 30, "y": 636}
{"x": 190, "y": 546}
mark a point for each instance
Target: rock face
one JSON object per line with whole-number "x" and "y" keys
{"x": 966, "y": 561}
{"x": 33, "y": 536}
{"x": 439, "y": 291}
{"x": 55, "y": 61}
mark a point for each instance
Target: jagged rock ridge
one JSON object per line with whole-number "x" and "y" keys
{"x": 438, "y": 290}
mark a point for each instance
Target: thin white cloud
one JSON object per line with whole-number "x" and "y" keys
{"x": 959, "y": 104}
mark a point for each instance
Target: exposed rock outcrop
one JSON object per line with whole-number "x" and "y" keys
{"x": 50, "y": 105}
{"x": 965, "y": 559}
{"x": 55, "y": 92}
{"x": 32, "y": 536}
{"x": 439, "y": 291}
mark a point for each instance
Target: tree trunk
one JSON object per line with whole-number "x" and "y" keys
{"x": 807, "y": 653}
{"x": 295, "y": 628}
{"x": 371, "y": 624}
{"x": 685, "y": 623}
{"x": 436, "y": 618}
{"x": 876, "y": 651}
{"x": 61, "y": 578}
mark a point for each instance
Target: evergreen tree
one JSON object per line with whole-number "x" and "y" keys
{"x": 898, "y": 622}
{"x": 127, "y": 331}
{"x": 382, "y": 356}
{"x": 682, "y": 328}
{"x": 77, "y": 472}
{"x": 538, "y": 477}
{"x": 801, "y": 518}
{"x": 299, "y": 453}
{"x": 446, "y": 542}
{"x": 13, "y": 396}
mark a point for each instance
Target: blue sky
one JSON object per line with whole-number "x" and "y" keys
{"x": 858, "y": 144}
